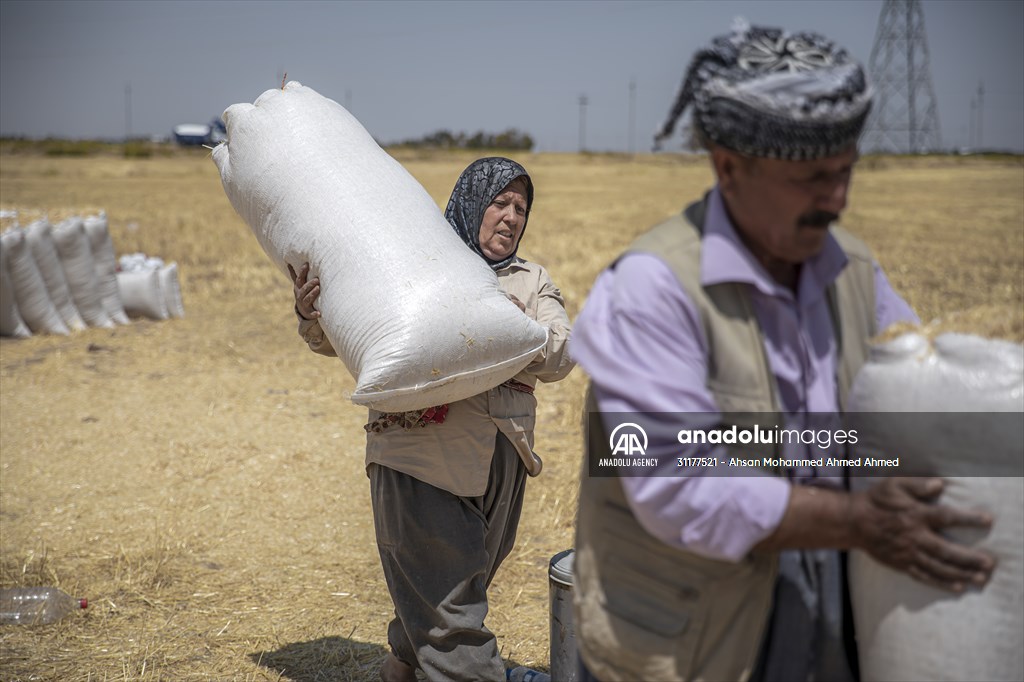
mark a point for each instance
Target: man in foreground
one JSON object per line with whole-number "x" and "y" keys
{"x": 750, "y": 303}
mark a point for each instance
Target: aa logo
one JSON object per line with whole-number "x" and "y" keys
{"x": 628, "y": 439}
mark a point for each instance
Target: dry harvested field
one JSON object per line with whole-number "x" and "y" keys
{"x": 200, "y": 480}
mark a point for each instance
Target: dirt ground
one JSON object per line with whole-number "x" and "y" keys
{"x": 200, "y": 480}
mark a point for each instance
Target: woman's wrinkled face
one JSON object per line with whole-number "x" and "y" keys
{"x": 503, "y": 221}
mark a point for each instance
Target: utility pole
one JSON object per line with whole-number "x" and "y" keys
{"x": 128, "y": 111}
{"x": 981, "y": 110}
{"x": 905, "y": 116}
{"x": 630, "y": 144}
{"x": 583, "y": 123}
{"x": 970, "y": 131}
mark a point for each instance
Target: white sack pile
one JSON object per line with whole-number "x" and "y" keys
{"x": 150, "y": 288}
{"x": 416, "y": 317}
{"x": 907, "y": 630}
{"x": 63, "y": 278}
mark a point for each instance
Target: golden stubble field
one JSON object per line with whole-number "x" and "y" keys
{"x": 201, "y": 480}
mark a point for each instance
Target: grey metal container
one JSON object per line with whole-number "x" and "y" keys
{"x": 563, "y": 632}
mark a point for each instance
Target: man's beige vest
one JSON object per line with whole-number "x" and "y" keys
{"x": 647, "y": 611}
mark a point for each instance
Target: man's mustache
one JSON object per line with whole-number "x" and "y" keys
{"x": 820, "y": 219}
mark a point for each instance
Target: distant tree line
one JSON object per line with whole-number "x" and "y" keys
{"x": 510, "y": 139}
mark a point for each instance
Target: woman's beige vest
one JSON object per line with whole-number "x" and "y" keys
{"x": 647, "y": 611}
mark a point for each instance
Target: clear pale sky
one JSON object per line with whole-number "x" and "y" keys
{"x": 410, "y": 68}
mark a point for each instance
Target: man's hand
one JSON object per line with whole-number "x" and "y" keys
{"x": 306, "y": 292}
{"x": 898, "y": 523}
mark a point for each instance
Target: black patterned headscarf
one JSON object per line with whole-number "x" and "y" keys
{"x": 476, "y": 188}
{"x": 769, "y": 93}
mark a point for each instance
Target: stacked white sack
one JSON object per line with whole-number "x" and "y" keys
{"x": 171, "y": 286}
{"x": 11, "y": 323}
{"x": 80, "y": 269}
{"x": 907, "y": 630}
{"x": 142, "y": 295}
{"x": 30, "y": 292}
{"x": 417, "y": 318}
{"x": 167, "y": 283}
{"x": 40, "y": 238}
{"x": 97, "y": 229}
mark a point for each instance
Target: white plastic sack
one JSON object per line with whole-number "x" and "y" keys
{"x": 130, "y": 262}
{"x": 416, "y": 317}
{"x": 11, "y": 323}
{"x": 171, "y": 287}
{"x": 102, "y": 246}
{"x": 142, "y": 295}
{"x": 80, "y": 271}
{"x": 907, "y": 630}
{"x": 40, "y": 238}
{"x": 34, "y": 304}
{"x": 168, "y": 278}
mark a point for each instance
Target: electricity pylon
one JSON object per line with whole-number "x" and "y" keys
{"x": 904, "y": 117}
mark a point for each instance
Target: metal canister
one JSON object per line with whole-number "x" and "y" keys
{"x": 563, "y": 633}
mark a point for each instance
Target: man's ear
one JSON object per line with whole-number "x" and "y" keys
{"x": 727, "y": 164}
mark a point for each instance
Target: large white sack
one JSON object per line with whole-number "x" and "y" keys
{"x": 80, "y": 271}
{"x": 171, "y": 287}
{"x": 102, "y": 246}
{"x": 142, "y": 294}
{"x": 907, "y": 630}
{"x": 416, "y": 317}
{"x": 40, "y": 238}
{"x": 11, "y": 323}
{"x": 34, "y": 304}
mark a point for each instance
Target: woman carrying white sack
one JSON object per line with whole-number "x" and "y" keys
{"x": 447, "y": 483}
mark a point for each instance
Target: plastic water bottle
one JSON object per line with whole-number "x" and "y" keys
{"x": 524, "y": 674}
{"x": 36, "y": 605}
